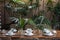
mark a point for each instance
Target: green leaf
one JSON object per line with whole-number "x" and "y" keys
{"x": 49, "y": 5}
{"x": 46, "y": 21}
{"x": 30, "y": 21}
{"x": 22, "y": 23}
{"x": 57, "y": 9}
{"x": 18, "y": 1}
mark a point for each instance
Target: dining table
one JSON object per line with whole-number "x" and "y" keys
{"x": 17, "y": 36}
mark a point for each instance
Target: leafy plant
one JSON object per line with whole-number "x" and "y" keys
{"x": 39, "y": 22}
{"x": 22, "y": 23}
{"x": 20, "y": 7}
{"x": 56, "y": 20}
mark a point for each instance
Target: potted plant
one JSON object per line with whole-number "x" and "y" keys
{"x": 21, "y": 8}
{"x": 39, "y": 22}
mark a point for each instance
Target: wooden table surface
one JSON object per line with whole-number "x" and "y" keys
{"x": 34, "y": 36}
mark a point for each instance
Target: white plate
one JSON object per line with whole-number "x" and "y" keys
{"x": 31, "y": 34}
{"x": 50, "y": 34}
{"x": 10, "y": 34}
